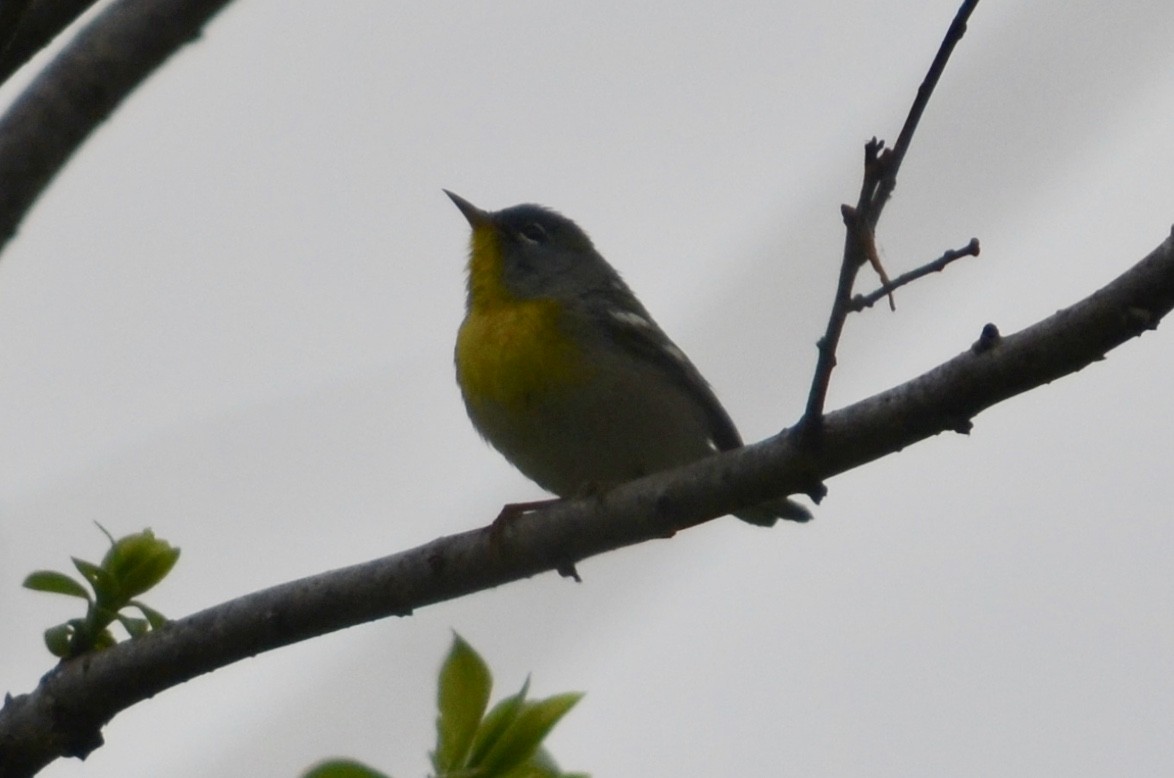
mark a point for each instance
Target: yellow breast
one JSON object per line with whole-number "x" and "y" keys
{"x": 513, "y": 355}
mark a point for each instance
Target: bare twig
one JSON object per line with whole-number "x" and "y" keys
{"x": 893, "y": 159}
{"x": 811, "y": 424}
{"x": 880, "y": 177}
{"x": 64, "y": 715}
{"x": 862, "y": 301}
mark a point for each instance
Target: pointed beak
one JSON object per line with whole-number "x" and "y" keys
{"x": 475, "y": 216}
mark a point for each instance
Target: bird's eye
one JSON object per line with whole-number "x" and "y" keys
{"x": 532, "y": 232}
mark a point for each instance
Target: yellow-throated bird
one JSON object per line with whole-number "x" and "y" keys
{"x": 564, "y": 372}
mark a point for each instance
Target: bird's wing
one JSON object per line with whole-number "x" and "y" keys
{"x": 631, "y": 327}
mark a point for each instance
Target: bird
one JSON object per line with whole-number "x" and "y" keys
{"x": 563, "y": 370}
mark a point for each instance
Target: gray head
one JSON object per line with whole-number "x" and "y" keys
{"x": 542, "y": 253}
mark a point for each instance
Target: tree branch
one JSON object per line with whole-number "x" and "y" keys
{"x": 79, "y": 89}
{"x": 37, "y": 23}
{"x": 862, "y": 301}
{"x": 64, "y": 715}
{"x": 11, "y": 12}
{"x": 880, "y": 178}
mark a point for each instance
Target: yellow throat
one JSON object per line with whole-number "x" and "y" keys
{"x": 511, "y": 352}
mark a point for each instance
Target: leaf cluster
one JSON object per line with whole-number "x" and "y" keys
{"x": 133, "y": 565}
{"x": 506, "y": 742}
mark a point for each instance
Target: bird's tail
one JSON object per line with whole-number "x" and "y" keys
{"x": 767, "y": 514}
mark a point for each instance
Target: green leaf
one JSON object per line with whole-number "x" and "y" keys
{"x": 139, "y": 561}
{"x": 105, "y": 585}
{"x": 58, "y": 640}
{"x": 462, "y": 695}
{"x": 522, "y": 739}
{"x": 500, "y": 719}
{"x": 529, "y": 770}
{"x": 55, "y": 583}
{"x": 543, "y": 760}
{"x": 134, "y": 627}
{"x": 542, "y": 765}
{"x": 156, "y": 619}
{"x": 343, "y": 768}
{"x": 89, "y": 570}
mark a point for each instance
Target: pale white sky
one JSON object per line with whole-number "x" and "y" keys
{"x": 231, "y": 319}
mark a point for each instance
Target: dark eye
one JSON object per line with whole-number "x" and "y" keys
{"x": 533, "y": 232}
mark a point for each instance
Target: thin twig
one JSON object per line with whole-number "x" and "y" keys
{"x": 862, "y": 301}
{"x": 811, "y": 424}
{"x": 880, "y": 177}
{"x": 893, "y": 159}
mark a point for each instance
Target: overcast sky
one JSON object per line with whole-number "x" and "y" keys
{"x": 231, "y": 319}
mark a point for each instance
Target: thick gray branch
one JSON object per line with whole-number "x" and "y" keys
{"x": 63, "y": 716}
{"x": 79, "y": 89}
{"x": 39, "y": 22}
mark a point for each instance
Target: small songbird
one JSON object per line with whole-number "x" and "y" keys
{"x": 566, "y": 374}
